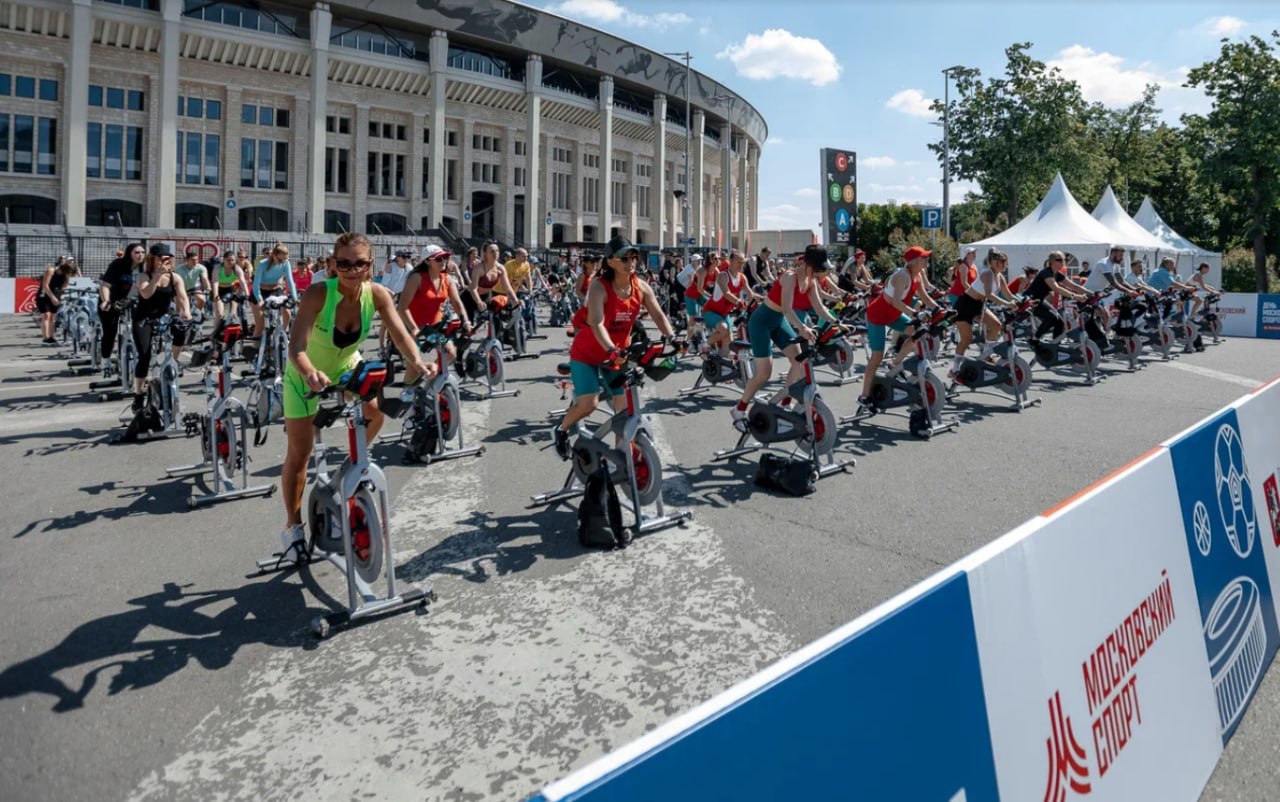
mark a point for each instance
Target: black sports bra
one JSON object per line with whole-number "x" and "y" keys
{"x": 343, "y": 339}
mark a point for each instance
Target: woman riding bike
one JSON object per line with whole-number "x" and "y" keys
{"x": 892, "y": 309}
{"x": 488, "y": 282}
{"x": 731, "y": 292}
{"x": 334, "y": 318}
{"x": 273, "y": 276}
{"x": 777, "y": 322}
{"x": 159, "y": 291}
{"x": 115, "y": 285}
{"x": 50, "y": 296}
{"x": 425, "y": 293}
{"x": 614, "y": 303}
{"x": 990, "y": 285}
{"x": 229, "y": 279}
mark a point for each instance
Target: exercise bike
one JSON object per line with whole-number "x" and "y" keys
{"x": 1075, "y": 349}
{"x": 729, "y": 369}
{"x": 807, "y": 423}
{"x": 266, "y": 396}
{"x": 913, "y": 384}
{"x": 1155, "y": 333}
{"x": 433, "y": 419}
{"x": 512, "y": 331}
{"x": 222, "y": 428}
{"x": 833, "y": 353}
{"x": 1209, "y": 321}
{"x": 161, "y": 391}
{"x": 84, "y": 329}
{"x": 117, "y": 372}
{"x": 349, "y": 511}
{"x": 1009, "y": 373}
{"x": 483, "y": 364}
{"x": 624, "y": 444}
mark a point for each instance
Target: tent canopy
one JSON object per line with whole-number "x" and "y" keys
{"x": 1190, "y": 254}
{"x": 1111, "y": 214}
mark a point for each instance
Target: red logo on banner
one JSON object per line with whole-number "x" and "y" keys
{"x": 842, "y": 162}
{"x": 1066, "y": 756}
{"x": 1273, "y": 506}
{"x": 24, "y": 294}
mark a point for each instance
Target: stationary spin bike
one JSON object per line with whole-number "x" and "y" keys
{"x": 624, "y": 444}
{"x": 222, "y": 428}
{"x": 1009, "y": 373}
{"x": 349, "y": 511}
{"x": 484, "y": 363}
{"x": 433, "y": 419}
{"x": 730, "y": 370}
{"x": 914, "y": 385}
{"x": 806, "y": 423}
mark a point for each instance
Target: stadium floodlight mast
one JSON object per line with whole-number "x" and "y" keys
{"x": 683, "y": 196}
{"x": 948, "y": 74}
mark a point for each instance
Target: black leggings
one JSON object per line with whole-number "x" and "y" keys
{"x": 1049, "y": 319}
{"x": 142, "y": 339}
{"x": 110, "y": 328}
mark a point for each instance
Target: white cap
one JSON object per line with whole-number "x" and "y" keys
{"x": 434, "y": 250}
{"x": 697, "y": 257}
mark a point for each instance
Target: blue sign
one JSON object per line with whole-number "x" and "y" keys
{"x": 843, "y": 219}
{"x": 896, "y": 711}
{"x": 931, "y": 217}
{"x": 688, "y": 241}
{"x": 1269, "y": 316}
{"x": 548, "y": 219}
{"x": 1224, "y": 539}
{"x": 466, "y": 216}
{"x": 231, "y": 203}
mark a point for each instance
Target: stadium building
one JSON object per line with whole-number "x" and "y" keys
{"x": 485, "y": 117}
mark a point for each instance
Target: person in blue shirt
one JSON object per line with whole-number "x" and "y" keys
{"x": 1163, "y": 278}
{"x": 272, "y": 276}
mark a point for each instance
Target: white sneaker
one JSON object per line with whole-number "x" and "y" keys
{"x": 293, "y": 544}
{"x": 739, "y": 418}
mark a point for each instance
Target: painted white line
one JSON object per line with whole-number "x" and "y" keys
{"x": 1210, "y": 373}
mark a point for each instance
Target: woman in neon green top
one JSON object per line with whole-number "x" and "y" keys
{"x": 333, "y": 319}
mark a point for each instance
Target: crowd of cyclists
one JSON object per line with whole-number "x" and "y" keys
{"x": 714, "y": 301}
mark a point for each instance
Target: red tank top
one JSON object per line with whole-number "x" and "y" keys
{"x": 799, "y": 300}
{"x": 427, "y": 304}
{"x": 724, "y": 304}
{"x": 956, "y": 287}
{"x": 708, "y": 283}
{"x": 883, "y": 313}
{"x": 619, "y": 316}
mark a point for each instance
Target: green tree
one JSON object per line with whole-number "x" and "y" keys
{"x": 1013, "y": 133}
{"x": 1240, "y": 137}
{"x": 876, "y": 221}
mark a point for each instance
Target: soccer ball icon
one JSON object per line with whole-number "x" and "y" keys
{"x": 1235, "y": 494}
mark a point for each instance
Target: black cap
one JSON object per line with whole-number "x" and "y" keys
{"x": 815, "y": 256}
{"x": 591, "y": 256}
{"x": 161, "y": 249}
{"x": 619, "y": 246}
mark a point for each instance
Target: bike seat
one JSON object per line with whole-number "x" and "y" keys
{"x": 563, "y": 368}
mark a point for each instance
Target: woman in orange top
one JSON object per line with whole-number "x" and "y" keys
{"x": 423, "y": 297}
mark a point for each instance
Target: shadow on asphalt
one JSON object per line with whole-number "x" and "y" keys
{"x": 158, "y": 498}
{"x": 487, "y": 546}
{"x": 260, "y": 612}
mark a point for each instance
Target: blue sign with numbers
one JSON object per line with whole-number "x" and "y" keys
{"x": 931, "y": 218}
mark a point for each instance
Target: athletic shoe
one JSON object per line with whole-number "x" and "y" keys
{"x": 866, "y": 405}
{"x": 561, "y": 440}
{"x": 293, "y": 544}
{"x": 739, "y": 418}
{"x": 138, "y": 402}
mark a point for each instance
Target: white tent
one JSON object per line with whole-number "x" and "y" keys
{"x": 1059, "y": 223}
{"x": 1143, "y": 243}
{"x": 1190, "y": 254}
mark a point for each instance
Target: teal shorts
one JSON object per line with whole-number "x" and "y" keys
{"x": 767, "y": 328}
{"x": 713, "y": 319}
{"x": 876, "y": 334}
{"x": 586, "y": 379}
{"x": 692, "y": 307}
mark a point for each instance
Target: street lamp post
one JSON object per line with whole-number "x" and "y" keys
{"x": 727, "y": 213}
{"x": 947, "y": 74}
{"x": 688, "y": 133}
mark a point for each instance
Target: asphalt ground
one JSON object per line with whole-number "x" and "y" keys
{"x": 144, "y": 658}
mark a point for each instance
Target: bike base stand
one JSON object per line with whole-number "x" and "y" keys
{"x": 936, "y": 426}
{"x": 644, "y": 524}
{"x": 224, "y": 488}
{"x": 827, "y": 466}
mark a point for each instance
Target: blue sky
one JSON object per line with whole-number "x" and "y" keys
{"x": 860, "y": 75}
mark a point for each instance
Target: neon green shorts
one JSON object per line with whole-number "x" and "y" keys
{"x": 296, "y": 403}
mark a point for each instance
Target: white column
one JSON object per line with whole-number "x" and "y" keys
{"x": 465, "y": 155}
{"x": 754, "y": 157}
{"x": 606, "y": 157}
{"x": 75, "y": 113}
{"x": 321, "y": 20}
{"x": 742, "y": 193}
{"x": 535, "y": 228}
{"x": 695, "y": 178}
{"x": 417, "y": 149}
{"x": 658, "y": 184}
{"x": 508, "y": 189}
{"x": 439, "y": 56}
{"x": 360, "y": 169}
{"x": 164, "y": 188}
{"x": 726, "y": 185}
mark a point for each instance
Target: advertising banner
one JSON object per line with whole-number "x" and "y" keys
{"x": 24, "y": 294}
{"x": 1091, "y": 650}
{"x": 839, "y": 187}
{"x": 1223, "y": 534}
{"x": 1259, "y": 417}
{"x": 894, "y": 711}
{"x": 1239, "y": 313}
{"x": 1269, "y": 316}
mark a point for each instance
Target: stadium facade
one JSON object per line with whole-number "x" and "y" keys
{"x": 491, "y": 118}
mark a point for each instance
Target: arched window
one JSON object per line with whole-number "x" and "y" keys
{"x": 336, "y": 222}
{"x": 196, "y": 215}
{"x": 30, "y": 209}
{"x": 112, "y": 212}
{"x": 385, "y": 223}
{"x": 258, "y": 218}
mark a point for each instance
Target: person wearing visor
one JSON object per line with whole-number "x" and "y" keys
{"x": 426, "y": 291}
{"x": 892, "y": 309}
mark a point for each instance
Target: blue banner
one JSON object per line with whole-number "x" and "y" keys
{"x": 1269, "y": 316}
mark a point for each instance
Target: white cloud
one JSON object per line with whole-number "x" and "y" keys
{"x": 807, "y": 192}
{"x": 1223, "y": 26}
{"x": 1108, "y": 79}
{"x": 609, "y": 12}
{"x": 896, "y": 187}
{"x": 780, "y": 53}
{"x": 790, "y": 216}
{"x": 876, "y": 162}
{"x": 911, "y": 102}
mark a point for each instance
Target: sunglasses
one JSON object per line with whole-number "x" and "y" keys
{"x": 436, "y": 259}
{"x": 348, "y": 266}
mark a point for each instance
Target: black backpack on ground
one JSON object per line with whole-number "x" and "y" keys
{"x": 600, "y": 514}
{"x": 145, "y": 421}
{"x": 793, "y": 477}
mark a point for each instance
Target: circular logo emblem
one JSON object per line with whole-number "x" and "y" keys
{"x": 1203, "y": 529}
{"x": 834, "y": 191}
{"x": 843, "y": 220}
{"x": 1235, "y": 493}
{"x": 848, "y": 193}
{"x": 842, "y": 162}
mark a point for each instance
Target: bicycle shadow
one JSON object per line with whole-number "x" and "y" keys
{"x": 259, "y": 613}
{"x": 157, "y": 498}
{"x": 490, "y": 546}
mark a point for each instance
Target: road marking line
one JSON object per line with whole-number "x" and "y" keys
{"x": 1210, "y": 373}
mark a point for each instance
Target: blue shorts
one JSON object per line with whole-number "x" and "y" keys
{"x": 692, "y": 307}
{"x": 713, "y": 319}
{"x": 876, "y": 333}
{"x": 586, "y": 379}
{"x": 952, "y": 299}
{"x": 767, "y": 328}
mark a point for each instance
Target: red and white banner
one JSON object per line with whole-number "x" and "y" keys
{"x": 18, "y": 295}
{"x": 1259, "y": 416}
{"x": 1093, "y": 661}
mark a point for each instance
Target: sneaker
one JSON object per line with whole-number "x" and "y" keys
{"x": 293, "y": 544}
{"x": 866, "y": 405}
{"x": 561, "y": 440}
{"x": 138, "y": 402}
{"x": 739, "y": 418}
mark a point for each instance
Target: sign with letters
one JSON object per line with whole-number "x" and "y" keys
{"x": 839, "y": 174}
